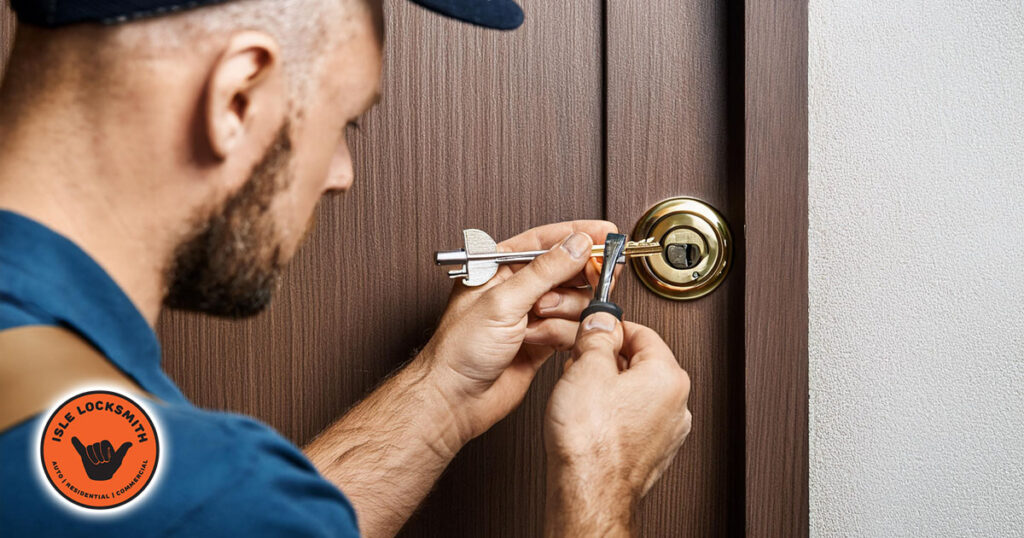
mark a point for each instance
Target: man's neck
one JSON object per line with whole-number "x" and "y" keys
{"x": 62, "y": 167}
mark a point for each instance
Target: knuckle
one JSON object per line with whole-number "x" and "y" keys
{"x": 683, "y": 427}
{"x": 587, "y": 343}
{"x": 677, "y": 385}
{"x": 682, "y": 380}
{"x": 591, "y": 347}
{"x": 595, "y": 341}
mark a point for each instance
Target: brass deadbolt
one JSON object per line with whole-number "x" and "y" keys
{"x": 697, "y": 249}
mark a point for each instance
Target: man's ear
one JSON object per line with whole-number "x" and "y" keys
{"x": 244, "y": 92}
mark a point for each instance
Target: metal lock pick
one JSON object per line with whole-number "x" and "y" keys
{"x": 480, "y": 257}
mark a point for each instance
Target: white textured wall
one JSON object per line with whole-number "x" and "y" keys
{"x": 916, "y": 135}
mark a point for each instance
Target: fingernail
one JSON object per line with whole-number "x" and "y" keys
{"x": 600, "y": 321}
{"x": 577, "y": 245}
{"x": 549, "y": 300}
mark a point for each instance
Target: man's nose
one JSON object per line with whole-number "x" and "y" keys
{"x": 341, "y": 173}
{"x": 342, "y": 182}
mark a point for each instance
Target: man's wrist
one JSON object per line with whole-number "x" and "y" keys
{"x": 447, "y": 430}
{"x": 588, "y": 498}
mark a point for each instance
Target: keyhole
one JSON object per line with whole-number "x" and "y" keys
{"x": 683, "y": 255}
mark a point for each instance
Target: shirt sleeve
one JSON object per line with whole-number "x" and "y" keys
{"x": 277, "y": 492}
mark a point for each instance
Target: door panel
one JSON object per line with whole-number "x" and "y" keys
{"x": 675, "y": 128}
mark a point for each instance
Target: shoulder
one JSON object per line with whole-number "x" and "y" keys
{"x": 226, "y": 464}
{"x": 218, "y": 474}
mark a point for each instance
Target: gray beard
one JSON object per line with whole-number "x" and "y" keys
{"x": 230, "y": 263}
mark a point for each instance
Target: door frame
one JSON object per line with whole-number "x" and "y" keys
{"x": 775, "y": 198}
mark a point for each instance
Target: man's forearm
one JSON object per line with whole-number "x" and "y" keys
{"x": 387, "y": 452}
{"x": 585, "y": 502}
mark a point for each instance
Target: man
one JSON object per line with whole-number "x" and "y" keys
{"x": 174, "y": 156}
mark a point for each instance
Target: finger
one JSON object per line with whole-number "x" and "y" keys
{"x": 78, "y": 446}
{"x": 563, "y": 303}
{"x": 122, "y": 450}
{"x": 92, "y": 454}
{"x": 515, "y": 380}
{"x": 598, "y": 342}
{"x": 649, "y": 355}
{"x": 525, "y": 287}
{"x": 642, "y": 343}
{"x": 106, "y": 450}
{"x": 556, "y": 333}
{"x": 543, "y": 237}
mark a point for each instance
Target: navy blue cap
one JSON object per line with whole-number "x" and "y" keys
{"x": 499, "y": 14}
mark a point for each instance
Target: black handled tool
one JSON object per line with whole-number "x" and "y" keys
{"x": 614, "y": 244}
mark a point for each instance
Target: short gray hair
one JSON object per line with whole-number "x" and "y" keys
{"x": 299, "y": 26}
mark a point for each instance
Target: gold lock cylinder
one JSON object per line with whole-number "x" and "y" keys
{"x": 697, "y": 249}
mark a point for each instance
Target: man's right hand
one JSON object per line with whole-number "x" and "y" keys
{"x": 615, "y": 420}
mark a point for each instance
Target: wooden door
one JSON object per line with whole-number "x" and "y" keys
{"x": 593, "y": 109}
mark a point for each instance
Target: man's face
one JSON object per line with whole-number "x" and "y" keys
{"x": 231, "y": 262}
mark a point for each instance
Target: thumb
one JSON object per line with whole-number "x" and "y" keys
{"x": 122, "y": 450}
{"x": 598, "y": 342}
{"x": 78, "y": 446}
{"x": 547, "y": 271}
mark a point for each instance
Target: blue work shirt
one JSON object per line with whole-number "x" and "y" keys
{"x": 218, "y": 474}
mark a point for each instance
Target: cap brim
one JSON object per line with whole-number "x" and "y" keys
{"x": 497, "y": 14}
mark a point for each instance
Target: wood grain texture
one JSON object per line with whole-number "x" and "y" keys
{"x": 776, "y": 275}
{"x": 498, "y": 131}
{"x": 7, "y": 23}
{"x": 675, "y": 128}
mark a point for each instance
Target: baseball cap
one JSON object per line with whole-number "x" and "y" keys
{"x": 498, "y": 14}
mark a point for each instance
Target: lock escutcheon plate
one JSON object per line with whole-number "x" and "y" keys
{"x": 700, "y": 230}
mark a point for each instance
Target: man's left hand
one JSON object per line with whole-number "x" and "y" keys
{"x": 492, "y": 339}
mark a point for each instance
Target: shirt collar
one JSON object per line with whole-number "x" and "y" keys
{"x": 47, "y": 273}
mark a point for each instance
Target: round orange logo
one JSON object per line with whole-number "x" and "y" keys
{"x": 99, "y": 449}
